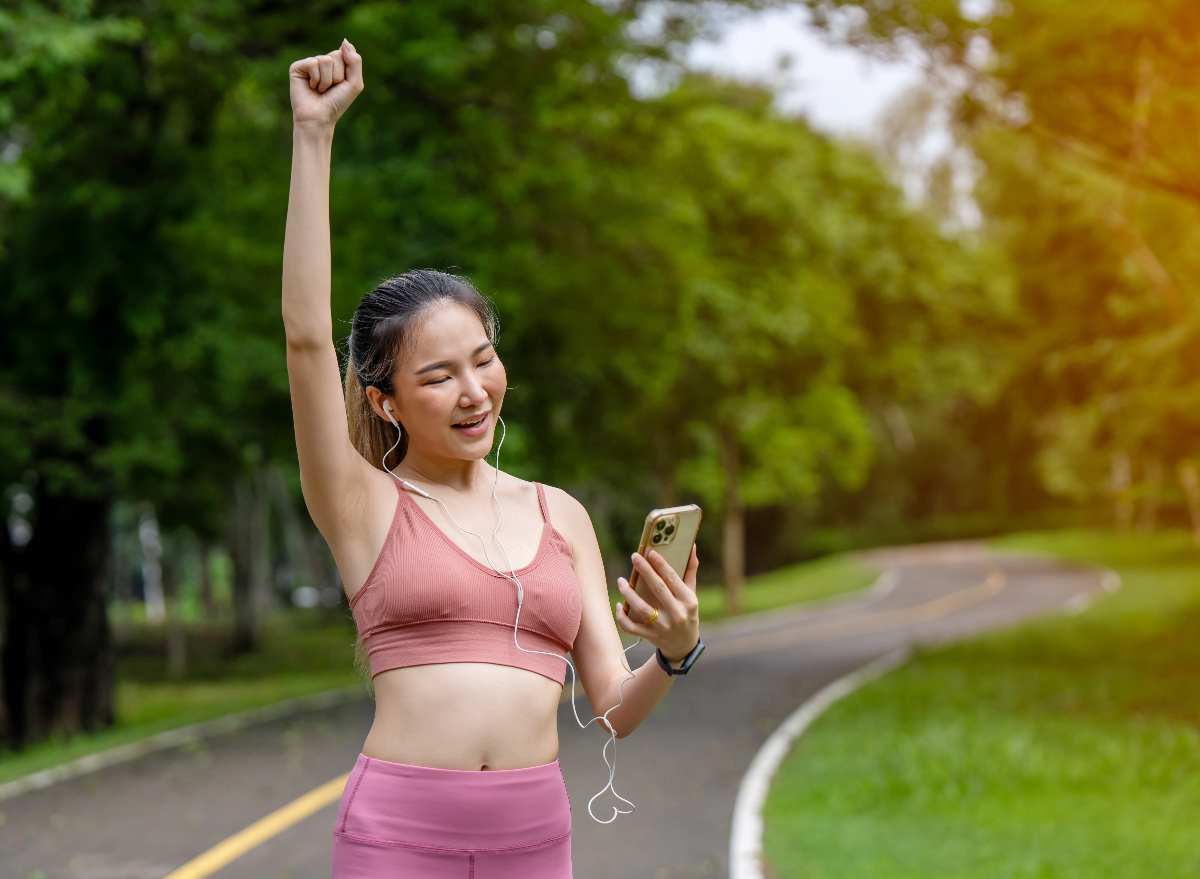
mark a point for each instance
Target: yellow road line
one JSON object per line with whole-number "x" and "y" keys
{"x": 876, "y": 622}
{"x": 260, "y": 831}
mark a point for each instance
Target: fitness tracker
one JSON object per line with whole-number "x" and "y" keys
{"x": 688, "y": 661}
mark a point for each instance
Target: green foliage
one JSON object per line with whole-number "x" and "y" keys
{"x": 1067, "y": 747}
{"x": 675, "y": 276}
{"x": 1085, "y": 117}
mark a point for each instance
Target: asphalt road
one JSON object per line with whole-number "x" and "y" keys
{"x": 143, "y": 819}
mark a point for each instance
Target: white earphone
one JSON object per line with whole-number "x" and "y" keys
{"x": 511, "y": 577}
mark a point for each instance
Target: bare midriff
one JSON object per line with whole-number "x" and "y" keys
{"x": 464, "y": 715}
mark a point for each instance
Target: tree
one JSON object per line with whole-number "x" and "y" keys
{"x": 105, "y": 330}
{"x": 822, "y": 296}
{"x": 140, "y": 350}
{"x": 1094, "y": 191}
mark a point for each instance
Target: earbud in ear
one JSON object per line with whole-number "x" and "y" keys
{"x": 387, "y": 408}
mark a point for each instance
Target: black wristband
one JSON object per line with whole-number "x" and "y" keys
{"x": 688, "y": 661}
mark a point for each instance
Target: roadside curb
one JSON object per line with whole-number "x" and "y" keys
{"x": 173, "y": 738}
{"x": 1110, "y": 582}
{"x": 745, "y": 844}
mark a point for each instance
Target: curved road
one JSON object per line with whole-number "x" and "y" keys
{"x": 143, "y": 819}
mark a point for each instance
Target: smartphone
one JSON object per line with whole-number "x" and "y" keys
{"x": 671, "y": 533}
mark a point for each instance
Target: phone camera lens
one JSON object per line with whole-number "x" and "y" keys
{"x": 658, "y": 538}
{"x": 670, "y": 530}
{"x": 660, "y": 525}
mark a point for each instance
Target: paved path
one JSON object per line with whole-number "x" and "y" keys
{"x": 682, "y": 767}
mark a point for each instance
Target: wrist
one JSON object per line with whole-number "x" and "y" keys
{"x": 676, "y": 654}
{"x": 680, "y": 667}
{"x": 309, "y": 129}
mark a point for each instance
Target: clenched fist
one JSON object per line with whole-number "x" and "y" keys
{"x": 324, "y": 86}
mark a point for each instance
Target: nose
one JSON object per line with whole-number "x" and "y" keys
{"x": 473, "y": 392}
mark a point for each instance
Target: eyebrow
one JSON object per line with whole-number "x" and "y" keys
{"x": 446, "y": 364}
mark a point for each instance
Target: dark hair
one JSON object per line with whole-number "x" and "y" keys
{"x": 383, "y": 325}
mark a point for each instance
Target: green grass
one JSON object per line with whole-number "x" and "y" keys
{"x": 1068, "y": 747}
{"x": 298, "y": 656}
{"x": 807, "y": 581}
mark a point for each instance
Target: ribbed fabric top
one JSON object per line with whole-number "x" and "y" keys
{"x": 427, "y": 601}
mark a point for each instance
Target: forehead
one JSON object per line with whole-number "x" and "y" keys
{"x": 448, "y": 331}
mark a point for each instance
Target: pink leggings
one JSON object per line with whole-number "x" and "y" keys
{"x": 411, "y": 822}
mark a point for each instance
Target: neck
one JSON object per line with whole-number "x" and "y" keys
{"x": 453, "y": 473}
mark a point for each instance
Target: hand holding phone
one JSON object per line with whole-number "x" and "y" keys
{"x": 660, "y": 599}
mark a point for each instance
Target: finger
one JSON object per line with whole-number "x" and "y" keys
{"x": 305, "y": 68}
{"x": 326, "y": 65}
{"x": 353, "y": 62}
{"x": 636, "y": 603}
{"x": 339, "y": 66}
{"x": 654, "y": 582}
{"x": 668, "y": 574}
{"x": 628, "y": 625}
{"x": 693, "y": 566}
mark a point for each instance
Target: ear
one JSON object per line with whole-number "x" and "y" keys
{"x": 377, "y": 399}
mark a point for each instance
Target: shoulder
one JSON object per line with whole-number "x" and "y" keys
{"x": 569, "y": 516}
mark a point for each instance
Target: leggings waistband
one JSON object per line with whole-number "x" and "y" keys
{"x": 453, "y": 809}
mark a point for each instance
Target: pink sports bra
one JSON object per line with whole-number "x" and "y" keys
{"x": 427, "y": 601}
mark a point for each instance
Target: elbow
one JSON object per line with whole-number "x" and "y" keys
{"x": 305, "y": 332}
{"x": 304, "y": 340}
{"x": 621, "y": 728}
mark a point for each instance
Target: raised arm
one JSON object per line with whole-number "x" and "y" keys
{"x": 332, "y": 473}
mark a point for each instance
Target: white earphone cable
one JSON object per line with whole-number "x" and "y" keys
{"x": 511, "y": 576}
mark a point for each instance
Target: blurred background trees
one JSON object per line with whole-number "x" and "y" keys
{"x": 700, "y": 298}
{"x": 1084, "y": 118}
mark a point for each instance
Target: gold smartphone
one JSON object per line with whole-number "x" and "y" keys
{"x": 671, "y": 533}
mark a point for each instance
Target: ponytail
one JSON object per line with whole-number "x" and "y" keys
{"x": 369, "y": 433}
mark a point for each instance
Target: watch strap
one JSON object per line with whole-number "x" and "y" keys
{"x": 688, "y": 661}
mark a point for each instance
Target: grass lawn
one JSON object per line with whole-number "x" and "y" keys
{"x": 807, "y": 581}
{"x": 299, "y": 655}
{"x": 1069, "y": 747}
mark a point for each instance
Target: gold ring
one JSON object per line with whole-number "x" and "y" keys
{"x": 652, "y": 618}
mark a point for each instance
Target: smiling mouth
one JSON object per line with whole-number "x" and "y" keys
{"x": 468, "y": 425}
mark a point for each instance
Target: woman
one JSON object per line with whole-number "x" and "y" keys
{"x": 395, "y": 477}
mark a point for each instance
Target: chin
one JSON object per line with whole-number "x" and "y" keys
{"x": 474, "y": 448}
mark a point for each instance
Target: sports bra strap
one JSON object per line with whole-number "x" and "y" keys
{"x": 542, "y": 501}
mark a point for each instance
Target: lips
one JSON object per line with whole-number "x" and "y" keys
{"x": 474, "y": 427}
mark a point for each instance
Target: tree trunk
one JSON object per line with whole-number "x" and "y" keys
{"x": 1190, "y": 480}
{"x": 57, "y": 654}
{"x": 1153, "y": 483}
{"x": 295, "y": 544}
{"x": 206, "y": 593}
{"x": 733, "y": 543}
{"x": 250, "y": 562}
{"x": 176, "y": 636}
{"x": 668, "y": 490}
{"x": 152, "y": 575}
{"x": 1122, "y": 479}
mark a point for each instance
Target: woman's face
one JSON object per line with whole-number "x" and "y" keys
{"x": 450, "y": 385}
